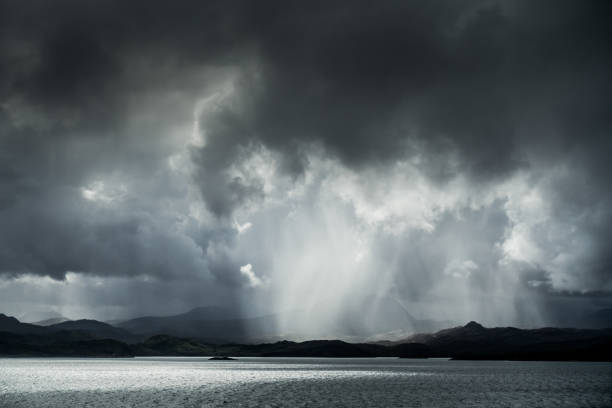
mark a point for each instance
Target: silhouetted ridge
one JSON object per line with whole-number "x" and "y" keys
{"x": 24, "y": 339}
{"x": 475, "y": 342}
{"x": 12, "y": 325}
{"x": 90, "y": 338}
{"x": 97, "y": 330}
{"x": 474, "y": 326}
{"x": 4, "y": 319}
{"x": 207, "y": 324}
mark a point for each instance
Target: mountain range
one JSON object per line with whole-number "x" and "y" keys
{"x": 219, "y": 325}
{"x": 472, "y": 341}
{"x": 207, "y": 324}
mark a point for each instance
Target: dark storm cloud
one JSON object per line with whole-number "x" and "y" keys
{"x": 368, "y": 81}
{"x": 67, "y": 92}
{"x": 474, "y": 89}
{"x": 479, "y": 90}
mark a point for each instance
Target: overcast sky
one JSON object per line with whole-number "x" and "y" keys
{"x": 267, "y": 156}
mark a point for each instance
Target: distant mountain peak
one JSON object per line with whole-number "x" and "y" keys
{"x": 7, "y": 318}
{"x": 474, "y": 325}
{"x": 51, "y": 321}
{"x": 209, "y": 313}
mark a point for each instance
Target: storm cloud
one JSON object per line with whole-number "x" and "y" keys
{"x": 452, "y": 156}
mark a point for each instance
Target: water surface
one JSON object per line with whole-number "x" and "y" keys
{"x": 301, "y": 382}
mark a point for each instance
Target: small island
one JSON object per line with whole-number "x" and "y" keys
{"x": 221, "y": 358}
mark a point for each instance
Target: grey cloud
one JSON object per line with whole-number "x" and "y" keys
{"x": 64, "y": 235}
{"x": 366, "y": 81}
{"x": 480, "y": 90}
{"x": 466, "y": 235}
{"x": 469, "y": 86}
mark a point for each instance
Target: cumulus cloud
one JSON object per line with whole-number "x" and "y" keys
{"x": 242, "y": 228}
{"x": 460, "y": 269}
{"x": 252, "y": 279}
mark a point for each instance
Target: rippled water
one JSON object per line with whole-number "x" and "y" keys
{"x": 295, "y": 382}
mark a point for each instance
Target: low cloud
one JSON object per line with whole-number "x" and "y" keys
{"x": 253, "y": 280}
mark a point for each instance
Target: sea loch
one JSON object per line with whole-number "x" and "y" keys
{"x": 301, "y": 382}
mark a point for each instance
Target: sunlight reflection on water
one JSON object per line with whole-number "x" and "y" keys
{"x": 196, "y": 382}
